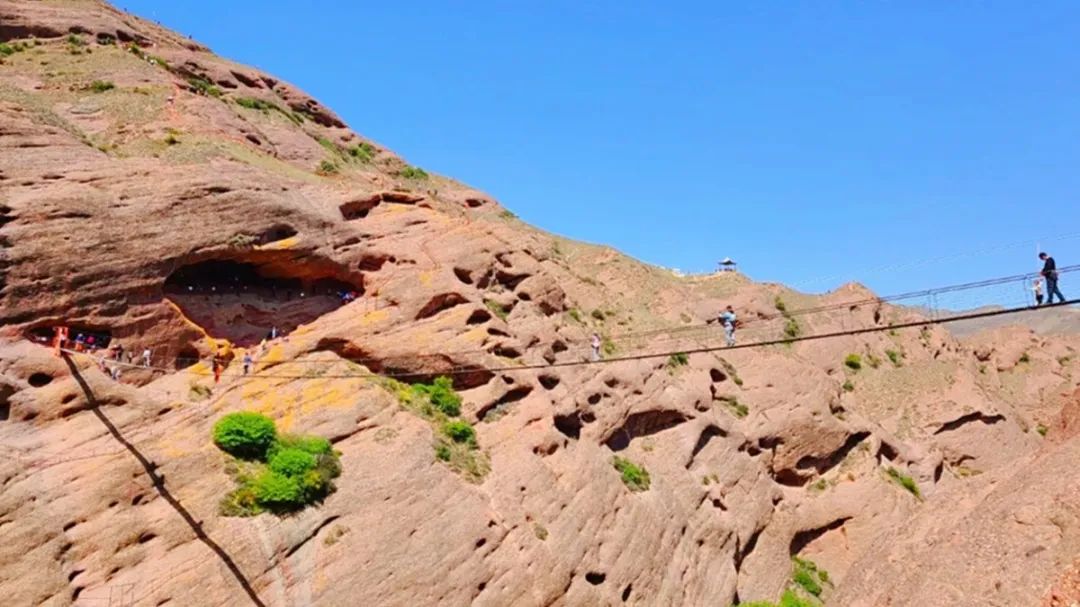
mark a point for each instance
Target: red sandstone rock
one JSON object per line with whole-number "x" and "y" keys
{"x": 113, "y": 204}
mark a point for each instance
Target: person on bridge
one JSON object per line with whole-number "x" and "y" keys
{"x": 1037, "y": 288}
{"x": 1050, "y": 273}
{"x": 728, "y": 319}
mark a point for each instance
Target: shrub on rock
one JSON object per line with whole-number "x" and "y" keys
{"x": 280, "y": 474}
{"x": 291, "y": 461}
{"x": 277, "y": 492}
{"x": 246, "y": 434}
{"x": 460, "y": 431}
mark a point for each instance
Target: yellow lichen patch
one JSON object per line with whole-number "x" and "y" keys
{"x": 474, "y": 336}
{"x": 373, "y": 316}
{"x": 277, "y": 245}
{"x": 426, "y": 277}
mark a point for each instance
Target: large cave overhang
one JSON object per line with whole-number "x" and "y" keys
{"x": 241, "y": 294}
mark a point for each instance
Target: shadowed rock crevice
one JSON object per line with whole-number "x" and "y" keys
{"x": 511, "y": 396}
{"x": 643, "y": 424}
{"x": 803, "y": 539}
{"x": 710, "y": 432}
{"x": 410, "y": 368}
{"x": 977, "y": 416}
{"x": 827, "y": 462}
{"x": 439, "y": 303}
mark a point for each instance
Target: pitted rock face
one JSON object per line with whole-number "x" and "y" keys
{"x": 199, "y": 208}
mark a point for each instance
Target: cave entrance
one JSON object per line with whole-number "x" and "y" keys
{"x": 243, "y": 299}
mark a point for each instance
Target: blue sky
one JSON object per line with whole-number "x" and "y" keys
{"x": 904, "y": 145}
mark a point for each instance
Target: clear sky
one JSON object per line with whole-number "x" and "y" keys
{"x": 814, "y": 142}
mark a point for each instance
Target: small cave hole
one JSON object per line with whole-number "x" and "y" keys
{"x": 480, "y": 542}
{"x": 39, "y": 380}
{"x": 186, "y": 357}
{"x": 549, "y": 382}
{"x": 717, "y": 375}
{"x": 463, "y": 275}
{"x": 478, "y": 317}
{"x": 594, "y": 398}
{"x": 595, "y": 578}
{"x": 569, "y": 425}
{"x": 443, "y": 301}
{"x": 372, "y": 263}
{"x": 629, "y": 589}
{"x": 358, "y": 209}
{"x": 68, "y": 398}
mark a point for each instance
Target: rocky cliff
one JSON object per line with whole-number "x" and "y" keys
{"x": 160, "y": 197}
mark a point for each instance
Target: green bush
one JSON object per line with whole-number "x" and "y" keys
{"x": 460, "y": 431}
{"x": 608, "y": 346}
{"x": 6, "y": 49}
{"x": 848, "y": 386}
{"x": 203, "y": 86}
{"x": 315, "y": 445}
{"x": 780, "y": 305}
{"x": 74, "y": 40}
{"x": 364, "y": 152}
{"x": 497, "y": 309}
{"x": 254, "y": 104}
{"x": 100, "y": 86}
{"x": 805, "y": 574}
{"x": 442, "y": 395}
{"x": 679, "y": 359}
{"x": 792, "y": 328}
{"x": 635, "y": 477}
{"x": 411, "y": 172}
{"x": 291, "y": 461}
{"x": 277, "y": 492}
{"x": 598, "y": 314}
{"x": 1024, "y": 358}
{"x": 904, "y": 481}
{"x": 245, "y": 434}
{"x": 1042, "y": 429}
{"x": 443, "y": 452}
{"x": 853, "y": 362}
{"x": 790, "y": 599}
{"x": 327, "y": 167}
{"x": 894, "y": 357}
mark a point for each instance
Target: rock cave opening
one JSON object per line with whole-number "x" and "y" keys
{"x": 243, "y": 298}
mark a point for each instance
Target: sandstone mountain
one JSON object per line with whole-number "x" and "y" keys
{"x": 158, "y": 196}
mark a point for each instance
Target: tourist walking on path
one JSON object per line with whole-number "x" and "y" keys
{"x": 146, "y": 357}
{"x": 1050, "y": 273}
{"x": 595, "y": 344}
{"x": 247, "y": 362}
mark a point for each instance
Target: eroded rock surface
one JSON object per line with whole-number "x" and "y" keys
{"x": 198, "y": 204}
